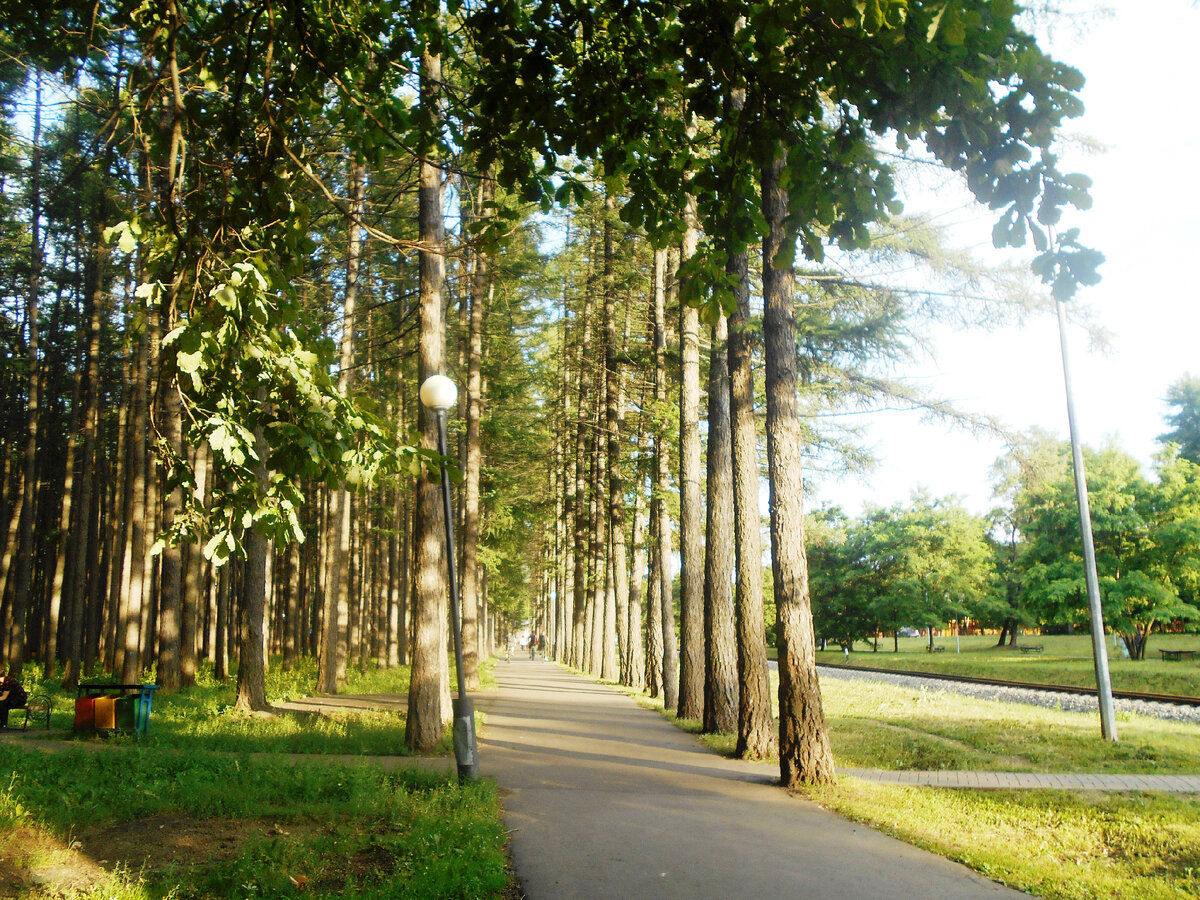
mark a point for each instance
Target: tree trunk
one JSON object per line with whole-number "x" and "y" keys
{"x": 616, "y": 607}
{"x": 220, "y": 642}
{"x": 662, "y": 549}
{"x": 691, "y": 508}
{"x": 133, "y": 566}
{"x": 252, "y": 662}
{"x": 170, "y": 669}
{"x": 635, "y": 662}
{"x": 194, "y": 581}
{"x": 24, "y": 568}
{"x": 720, "y": 657}
{"x": 337, "y": 596}
{"x": 62, "y": 597}
{"x": 804, "y": 753}
{"x": 482, "y": 287}
{"x": 599, "y": 560}
{"x": 94, "y": 314}
{"x": 428, "y": 694}
{"x": 580, "y": 506}
{"x": 756, "y": 724}
{"x": 1004, "y": 631}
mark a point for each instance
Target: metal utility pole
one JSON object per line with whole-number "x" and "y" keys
{"x": 1108, "y": 723}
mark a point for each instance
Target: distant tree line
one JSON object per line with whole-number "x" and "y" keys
{"x": 929, "y": 562}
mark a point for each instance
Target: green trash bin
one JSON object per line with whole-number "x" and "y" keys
{"x": 127, "y": 708}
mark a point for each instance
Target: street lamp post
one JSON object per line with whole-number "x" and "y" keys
{"x": 438, "y": 394}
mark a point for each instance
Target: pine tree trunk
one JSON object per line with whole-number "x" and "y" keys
{"x": 756, "y": 725}
{"x": 616, "y": 599}
{"x": 151, "y": 585}
{"x": 170, "y": 630}
{"x": 599, "y": 550}
{"x": 94, "y": 315}
{"x": 720, "y": 657}
{"x": 663, "y": 550}
{"x": 654, "y": 629}
{"x": 337, "y": 598}
{"x": 691, "y": 508}
{"x": 24, "y": 563}
{"x": 220, "y": 639}
{"x": 120, "y": 511}
{"x": 634, "y": 663}
{"x": 194, "y": 588}
{"x": 482, "y": 288}
{"x": 63, "y": 580}
{"x": 804, "y": 754}
{"x": 580, "y": 508}
{"x": 428, "y": 710}
{"x": 252, "y": 662}
{"x": 133, "y": 566}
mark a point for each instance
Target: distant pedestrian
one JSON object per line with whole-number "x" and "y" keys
{"x": 542, "y": 645}
{"x": 532, "y": 645}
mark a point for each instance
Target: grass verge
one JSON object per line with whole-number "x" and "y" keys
{"x": 1057, "y": 845}
{"x": 219, "y": 803}
{"x": 144, "y": 823}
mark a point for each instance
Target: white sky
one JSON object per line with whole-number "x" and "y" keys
{"x": 1141, "y": 66}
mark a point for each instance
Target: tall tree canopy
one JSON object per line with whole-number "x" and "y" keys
{"x": 1184, "y": 397}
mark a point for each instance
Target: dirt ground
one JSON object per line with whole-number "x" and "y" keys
{"x": 36, "y": 866}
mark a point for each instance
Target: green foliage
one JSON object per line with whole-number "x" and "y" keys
{"x": 1146, "y": 555}
{"x": 920, "y": 564}
{"x": 1184, "y": 397}
{"x": 608, "y": 82}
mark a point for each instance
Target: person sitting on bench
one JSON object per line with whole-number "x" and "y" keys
{"x": 12, "y": 695}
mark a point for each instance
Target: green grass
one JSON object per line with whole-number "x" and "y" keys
{"x": 189, "y": 812}
{"x": 1051, "y": 843}
{"x": 1065, "y": 660}
{"x": 346, "y": 831}
{"x": 878, "y": 725}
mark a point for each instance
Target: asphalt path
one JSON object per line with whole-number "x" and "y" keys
{"x": 604, "y": 799}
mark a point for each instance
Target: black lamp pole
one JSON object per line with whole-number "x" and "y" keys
{"x": 464, "y": 706}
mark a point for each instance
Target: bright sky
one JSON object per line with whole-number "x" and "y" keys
{"x": 1141, "y": 65}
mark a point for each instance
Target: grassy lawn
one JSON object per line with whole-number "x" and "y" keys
{"x": 1051, "y": 843}
{"x": 190, "y": 813}
{"x": 1054, "y": 844}
{"x": 1064, "y": 660}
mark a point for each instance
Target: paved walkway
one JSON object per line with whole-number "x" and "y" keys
{"x": 604, "y": 799}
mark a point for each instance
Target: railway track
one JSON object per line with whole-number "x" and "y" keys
{"x": 1057, "y": 688}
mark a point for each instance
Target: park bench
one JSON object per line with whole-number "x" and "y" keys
{"x": 1030, "y": 648}
{"x": 36, "y": 707}
{"x": 110, "y": 708}
{"x": 1177, "y": 655}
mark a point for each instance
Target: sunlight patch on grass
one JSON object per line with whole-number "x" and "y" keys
{"x": 1054, "y": 844}
{"x": 879, "y": 725}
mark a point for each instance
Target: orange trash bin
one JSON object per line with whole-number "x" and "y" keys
{"x": 105, "y": 715}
